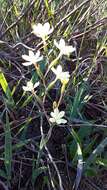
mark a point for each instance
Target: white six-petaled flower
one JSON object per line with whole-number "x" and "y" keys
{"x": 30, "y": 87}
{"x": 57, "y": 117}
{"x": 62, "y": 76}
{"x": 42, "y": 30}
{"x": 64, "y": 49}
{"x": 32, "y": 58}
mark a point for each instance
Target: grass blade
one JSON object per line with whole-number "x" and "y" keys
{"x": 36, "y": 172}
{"x": 3, "y": 174}
{"x": 102, "y": 162}
{"x": 8, "y": 148}
{"x": 80, "y": 160}
{"x": 6, "y": 89}
{"x": 95, "y": 153}
{"x": 48, "y": 7}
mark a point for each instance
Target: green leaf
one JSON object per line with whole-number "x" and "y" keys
{"x": 90, "y": 172}
{"x": 43, "y": 142}
{"x": 8, "y": 148}
{"x": 27, "y": 101}
{"x": 82, "y": 133}
{"x": 21, "y": 144}
{"x": 77, "y": 104}
{"x": 95, "y": 153}
{"x": 102, "y": 162}
{"x": 10, "y": 101}
{"x": 48, "y": 7}
{"x": 24, "y": 129}
{"x": 79, "y": 158}
{"x": 79, "y": 166}
{"x": 88, "y": 149}
{"x": 3, "y": 174}
{"x": 36, "y": 172}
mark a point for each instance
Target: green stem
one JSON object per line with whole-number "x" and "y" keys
{"x": 62, "y": 92}
{"x": 52, "y": 64}
{"x": 51, "y": 85}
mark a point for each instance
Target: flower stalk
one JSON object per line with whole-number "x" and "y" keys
{"x": 62, "y": 92}
{"x": 52, "y": 64}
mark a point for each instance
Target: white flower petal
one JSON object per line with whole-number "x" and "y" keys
{"x": 61, "y": 114}
{"x": 63, "y": 121}
{"x": 31, "y": 53}
{"x": 36, "y": 84}
{"x": 57, "y": 116}
{"x": 42, "y": 30}
{"x": 71, "y": 49}
{"x": 58, "y": 121}
{"x": 64, "y": 49}
{"x": 25, "y": 88}
{"x": 52, "y": 114}
{"x": 56, "y": 44}
{"x": 37, "y": 54}
{"x": 37, "y": 29}
{"x": 51, "y": 30}
{"x": 59, "y": 69}
{"x": 52, "y": 120}
{"x": 26, "y": 57}
{"x": 47, "y": 30}
{"x": 32, "y": 58}
{"x": 39, "y": 26}
{"x": 27, "y": 63}
{"x": 34, "y": 27}
{"x": 68, "y": 49}
{"x": 47, "y": 26}
{"x": 62, "y": 43}
{"x": 39, "y": 59}
{"x": 63, "y": 76}
{"x": 54, "y": 70}
{"x": 56, "y": 112}
{"x": 29, "y": 86}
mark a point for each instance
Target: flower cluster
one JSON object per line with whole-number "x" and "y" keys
{"x": 43, "y": 31}
{"x": 63, "y": 48}
{"x": 62, "y": 76}
{"x": 32, "y": 58}
{"x": 30, "y": 87}
{"x": 57, "y": 117}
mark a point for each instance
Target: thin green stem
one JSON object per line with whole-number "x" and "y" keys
{"x": 52, "y": 64}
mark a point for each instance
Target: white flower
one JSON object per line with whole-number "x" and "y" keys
{"x": 57, "y": 117}
{"x": 42, "y": 31}
{"x": 32, "y": 58}
{"x": 30, "y": 87}
{"x": 64, "y": 49}
{"x": 62, "y": 76}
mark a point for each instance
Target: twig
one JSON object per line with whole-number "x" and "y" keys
{"x": 51, "y": 178}
{"x": 87, "y": 124}
{"x": 92, "y": 184}
{"x": 3, "y": 185}
{"x": 24, "y": 45}
{"x": 66, "y": 162}
{"x": 56, "y": 168}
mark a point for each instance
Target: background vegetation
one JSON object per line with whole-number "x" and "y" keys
{"x": 76, "y": 154}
